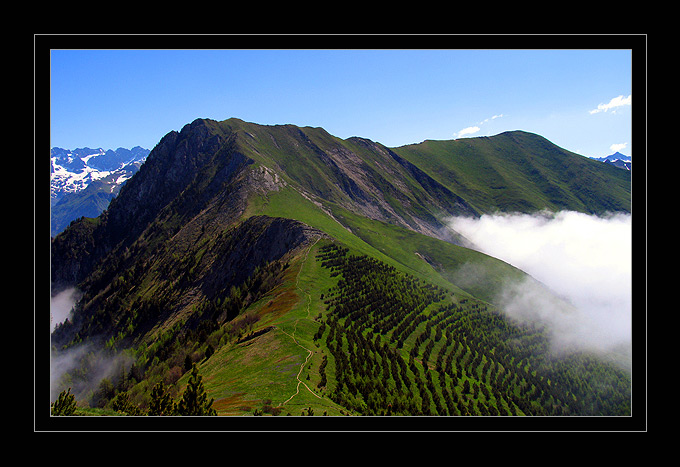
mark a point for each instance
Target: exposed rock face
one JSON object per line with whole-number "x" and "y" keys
{"x": 196, "y": 182}
{"x": 175, "y": 239}
{"x": 182, "y": 174}
{"x": 184, "y": 231}
{"x": 257, "y": 241}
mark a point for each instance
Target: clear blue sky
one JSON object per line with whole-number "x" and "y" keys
{"x": 125, "y": 98}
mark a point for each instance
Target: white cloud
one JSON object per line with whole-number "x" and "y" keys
{"x": 468, "y": 131}
{"x": 61, "y": 306}
{"x": 490, "y": 118}
{"x": 615, "y": 103}
{"x": 618, "y": 147}
{"x": 474, "y": 129}
{"x": 585, "y": 259}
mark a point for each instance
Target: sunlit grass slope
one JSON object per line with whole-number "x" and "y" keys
{"x": 274, "y": 368}
{"x": 434, "y": 260}
{"x": 518, "y": 171}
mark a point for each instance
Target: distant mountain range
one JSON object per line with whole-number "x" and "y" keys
{"x": 617, "y": 160}
{"x": 83, "y": 181}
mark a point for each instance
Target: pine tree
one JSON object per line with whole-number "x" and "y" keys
{"x": 161, "y": 403}
{"x": 122, "y": 403}
{"x": 195, "y": 399}
{"x": 65, "y": 403}
{"x": 188, "y": 362}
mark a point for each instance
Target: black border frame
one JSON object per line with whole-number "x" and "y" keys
{"x": 43, "y": 43}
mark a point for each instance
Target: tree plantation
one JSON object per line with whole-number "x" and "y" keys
{"x": 402, "y": 346}
{"x": 387, "y": 343}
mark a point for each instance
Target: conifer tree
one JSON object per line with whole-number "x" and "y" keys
{"x": 65, "y": 403}
{"x": 195, "y": 399}
{"x": 161, "y": 403}
{"x": 122, "y": 403}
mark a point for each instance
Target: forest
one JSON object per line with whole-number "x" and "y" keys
{"x": 392, "y": 344}
{"x": 136, "y": 369}
{"x": 401, "y": 346}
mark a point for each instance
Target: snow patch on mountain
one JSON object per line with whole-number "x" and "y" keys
{"x": 72, "y": 171}
{"x": 617, "y": 160}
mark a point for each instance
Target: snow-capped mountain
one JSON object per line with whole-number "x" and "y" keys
{"x": 72, "y": 171}
{"x": 617, "y": 160}
{"x": 84, "y": 181}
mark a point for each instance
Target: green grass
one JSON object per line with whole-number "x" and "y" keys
{"x": 407, "y": 250}
{"x": 247, "y": 376}
{"x": 95, "y": 412}
{"x": 520, "y": 171}
{"x": 289, "y": 203}
{"x": 278, "y": 367}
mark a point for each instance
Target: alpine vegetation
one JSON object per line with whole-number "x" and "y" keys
{"x": 269, "y": 270}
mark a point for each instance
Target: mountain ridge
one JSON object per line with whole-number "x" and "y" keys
{"x": 71, "y": 170}
{"x": 200, "y": 172}
{"x": 612, "y": 157}
{"x": 223, "y": 227}
{"x": 520, "y": 171}
{"x": 617, "y": 160}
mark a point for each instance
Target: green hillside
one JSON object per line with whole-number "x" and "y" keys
{"x": 308, "y": 275}
{"x": 521, "y": 172}
{"x": 363, "y": 337}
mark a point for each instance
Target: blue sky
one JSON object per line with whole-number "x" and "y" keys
{"x": 579, "y": 99}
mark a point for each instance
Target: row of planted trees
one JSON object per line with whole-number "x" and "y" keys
{"x": 402, "y": 346}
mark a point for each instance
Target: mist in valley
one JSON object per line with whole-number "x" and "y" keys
{"x": 61, "y": 306}
{"x": 83, "y": 366}
{"x": 585, "y": 260}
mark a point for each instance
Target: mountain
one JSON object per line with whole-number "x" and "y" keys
{"x": 621, "y": 164}
{"x": 613, "y": 157}
{"x": 617, "y": 160}
{"x": 270, "y": 254}
{"x": 72, "y": 171}
{"x": 521, "y": 172}
{"x": 83, "y": 181}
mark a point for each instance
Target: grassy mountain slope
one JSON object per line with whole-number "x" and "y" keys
{"x": 522, "y": 172}
{"x": 357, "y": 174}
{"x": 256, "y": 252}
{"x": 410, "y": 349}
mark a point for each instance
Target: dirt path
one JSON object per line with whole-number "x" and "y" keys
{"x": 292, "y": 336}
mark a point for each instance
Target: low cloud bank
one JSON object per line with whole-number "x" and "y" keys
{"x": 82, "y": 369}
{"x": 61, "y": 306}
{"x": 83, "y": 366}
{"x": 584, "y": 259}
